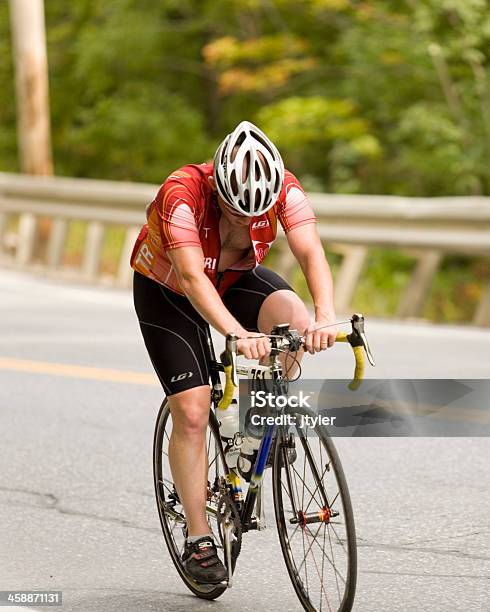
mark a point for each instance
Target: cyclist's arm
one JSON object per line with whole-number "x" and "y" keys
{"x": 306, "y": 246}
{"x": 188, "y": 263}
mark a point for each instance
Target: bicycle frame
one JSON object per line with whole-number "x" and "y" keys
{"x": 235, "y": 514}
{"x": 246, "y": 507}
{"x": 358, "y": 342}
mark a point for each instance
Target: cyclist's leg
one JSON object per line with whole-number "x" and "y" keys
{"x": 174, "y": 335}
{"x": 188, "y": 456}
{"x": 261, "y": 299}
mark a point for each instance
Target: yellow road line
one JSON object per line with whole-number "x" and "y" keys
{"x": 76, "y": 371}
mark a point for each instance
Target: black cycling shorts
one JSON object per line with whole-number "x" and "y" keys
{"x": 175, "y": 333}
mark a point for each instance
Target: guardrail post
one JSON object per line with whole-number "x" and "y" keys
{"x": 56, "y": 242}
{"x": 3, "y": 225}
{"x": 125, "y": 272}
{"x": 415, "y": 295}
{"x": 93, "y": 250}
{"x": 348, "y": 275}
{"x": 26, "y": 239}
{"x": 482, "y": 315}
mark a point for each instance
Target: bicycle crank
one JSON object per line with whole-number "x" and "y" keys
{"x": 230, "y": 533}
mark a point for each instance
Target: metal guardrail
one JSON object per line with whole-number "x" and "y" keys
{"x": 428, "y": 228}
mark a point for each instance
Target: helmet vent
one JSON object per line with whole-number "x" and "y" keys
{"x": 223, "y": 151}
{"x": 277, "y": 183}
{"x": 240, "y": 139}
{"x": 233, "y": 183}
{"x": 262, "y": 142}
{"x": 266, "y": 167}
{"x": 246, "y": 166}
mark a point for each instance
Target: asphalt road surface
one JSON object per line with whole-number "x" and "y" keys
{"x": 78, "y": 401}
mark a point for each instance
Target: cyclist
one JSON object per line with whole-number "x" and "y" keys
{"x": 197, "y": 261}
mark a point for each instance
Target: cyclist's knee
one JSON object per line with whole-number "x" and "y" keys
{"x": 283, "y": 306}
{"x": 190, "y": 411}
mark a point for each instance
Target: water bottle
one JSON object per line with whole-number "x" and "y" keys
{"x": 229, "y": 430}
{"x": 248, "y": 455}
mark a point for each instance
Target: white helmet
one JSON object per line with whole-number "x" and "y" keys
{"x": 248, "y": 170}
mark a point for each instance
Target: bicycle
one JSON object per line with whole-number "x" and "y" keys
{"x": 313, "y": 510}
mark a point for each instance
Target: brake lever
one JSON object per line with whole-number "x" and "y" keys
{"x": 358, "y": 336}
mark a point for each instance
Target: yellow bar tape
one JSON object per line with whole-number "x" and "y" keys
{"x": 225, "y": 401}
{"x": 359, "y": 357}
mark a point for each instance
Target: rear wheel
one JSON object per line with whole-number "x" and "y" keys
{"x": 172, "y": 516}
{"x": 315, "y": 520}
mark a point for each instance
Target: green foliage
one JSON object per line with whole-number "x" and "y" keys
{"x": 362, "y": 96}
{"x": 328, "y": 134}
{"x": 366, "y": 97}
{"x": 8, "y": 147}
{"x": 457, "y": 289}
{"x": 385, "y": 276}
{"x": 132, "y": 139}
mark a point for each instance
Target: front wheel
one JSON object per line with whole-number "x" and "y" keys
{"x": 314, "y": 519}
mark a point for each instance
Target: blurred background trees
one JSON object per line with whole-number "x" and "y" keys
{"x": 361, "y": 96}
{"x": 366, "y": 97}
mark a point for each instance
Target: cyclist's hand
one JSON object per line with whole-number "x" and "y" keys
{"x": 253, "y": 345}
{"x": 319, "y": 338}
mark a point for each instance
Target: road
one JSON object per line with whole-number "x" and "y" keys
{"x": 77, "y": 406}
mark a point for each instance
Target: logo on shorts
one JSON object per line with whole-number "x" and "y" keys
{"x": 178, "y": 377}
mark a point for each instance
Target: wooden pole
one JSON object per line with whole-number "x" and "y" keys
{"x": 31, "y": 71}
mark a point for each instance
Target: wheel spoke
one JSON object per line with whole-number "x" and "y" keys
{"x": 323, "y": 567}
{"x": 322, "y": 588}
{"x": 331, "y": 551}
{"x": 166, "y": 486}
{"x": 339, "y": 540}
{"x": 316, "y": 489}
{"x": 344, "y": 580}
{"x": 309, "y": 490}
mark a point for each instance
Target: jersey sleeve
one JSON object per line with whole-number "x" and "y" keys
{"x": 294, "y": 207}
{"x": 177, "y": 205}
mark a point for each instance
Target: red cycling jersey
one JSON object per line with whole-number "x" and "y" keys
{"x": 185, "y": 212}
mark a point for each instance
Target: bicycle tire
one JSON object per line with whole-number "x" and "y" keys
{"x": 279, "y": 461}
